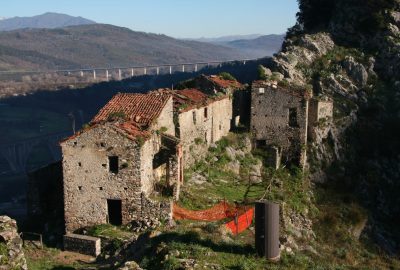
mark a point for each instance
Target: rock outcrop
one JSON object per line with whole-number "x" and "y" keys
{"x": 11, "y": 253}
{"x": 349, "y": 52}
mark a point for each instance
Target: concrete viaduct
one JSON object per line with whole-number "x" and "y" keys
{"x": 119, "y": 73}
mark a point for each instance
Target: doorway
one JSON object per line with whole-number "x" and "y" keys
{"x": 114, "y": 212}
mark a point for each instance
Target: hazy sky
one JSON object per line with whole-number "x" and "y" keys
{"x": 177, "y": 18}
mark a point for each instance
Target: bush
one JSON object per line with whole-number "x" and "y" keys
{"x": 227, "y": 76}
{"x": 261, "y": 73}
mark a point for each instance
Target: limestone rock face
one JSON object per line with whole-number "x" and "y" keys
{"x": 11, "y": 253}
{"x": 356, "y": 71}
{"x": 301, "y": 52}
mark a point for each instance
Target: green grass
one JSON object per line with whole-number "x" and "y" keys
{"x": 45, "y": 259}
{"x": 109, "y": 231}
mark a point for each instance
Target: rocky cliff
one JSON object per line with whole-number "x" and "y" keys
{"x": 349, "y": 51}
{"x": 11, "y": 253}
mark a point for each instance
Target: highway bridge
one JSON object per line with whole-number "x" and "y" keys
{"x": 100, "y": 74}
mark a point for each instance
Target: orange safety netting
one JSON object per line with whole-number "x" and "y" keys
{"x": 217, "y": 212}
{"x": 240, "y": 224}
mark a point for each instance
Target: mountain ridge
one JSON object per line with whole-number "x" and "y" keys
{"x": 101, "y": 45}
{"x": 47, "y": 20}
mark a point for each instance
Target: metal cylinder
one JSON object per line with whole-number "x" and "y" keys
{"x": 267, "y": 230}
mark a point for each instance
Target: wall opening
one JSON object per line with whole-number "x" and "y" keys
{"x": 194, "y": 117}
{"x": 114, "y": 212}
{"x": 261, "y": 143}
{"x": 293, "y": 117}
{"x": 113, "y": 164}
{"x": 205, "y": 112}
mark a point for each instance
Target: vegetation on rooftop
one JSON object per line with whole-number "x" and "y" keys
{"x": 120, "y": 115}
{"x": 227, "y": 76}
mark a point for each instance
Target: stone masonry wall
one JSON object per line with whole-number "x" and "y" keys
{"x": 88, "y": 183}
{"x": 11, "y": 252}
{"x": 197, "y": 135}
{"x": 82, "y": 244}
{"x": 166, "y": 119}
{"x": 319, "y": 110}
{"x": 270, "y": 109}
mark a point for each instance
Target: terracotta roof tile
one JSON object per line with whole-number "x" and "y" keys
{"x": 141, "y": 109}
{"x": 225, "y": 83}
{"x": 187, "y": 99}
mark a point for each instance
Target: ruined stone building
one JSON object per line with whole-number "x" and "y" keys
{"x": 135, "y": 142}
{"x": 110, "y": 168}
{"x": 279, "y": 121}
{"x": 281, "y": 118}
{"x": 201, "y": 121}
{"x": 215, "y": 84}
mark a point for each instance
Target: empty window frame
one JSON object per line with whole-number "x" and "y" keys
{"x": 261, "y": 90}
{"x": 113, "y": 164}
{"x": 205, "y": 112}
{"x": 293, "y": 117}
{"x": 194, "y": 117}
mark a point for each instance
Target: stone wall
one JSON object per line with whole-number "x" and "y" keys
{"x": 241, "y": 108}
{"x": 200, "y": 127}
{"x": 44, "y": 198}
{"x": 82, "y": 244}
{"x": 319, "y": 110}
{"x": 88, "y": 183}
{"x": 280, "y": 118}
{"x": 166, "y": 119}
{"x": 11, "y": 252}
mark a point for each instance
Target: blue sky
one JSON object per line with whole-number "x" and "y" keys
{"x": 177, "y": 18}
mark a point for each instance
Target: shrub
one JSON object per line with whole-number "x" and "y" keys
{"x": 116, "y": 115}
{"x": 261, "y": 73}
{"x": 227, "y": 76}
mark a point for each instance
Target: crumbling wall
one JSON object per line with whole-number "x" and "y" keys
{"x": 166, "y": 119}
{"x": 241, "y": 108}
{"x": 11, "y": 252}
{"x": 320, "y": 110}
{"x": 44, "y": 199}
{"x": 280, "y": 118}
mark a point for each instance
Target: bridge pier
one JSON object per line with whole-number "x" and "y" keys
{"x": 94, "y": 74}
{"x": 195, "y": 68}
{"x": 158, "y": 71}
{"x": 107, "y": 75}
{"x": 145, "y": 71}
{"x": 170, "y": 70}
{"x": 81, "y": 73}
{"x": 132, "y": 72}
{"x": 183, "y": 68}
{"x": 119, "y": 74}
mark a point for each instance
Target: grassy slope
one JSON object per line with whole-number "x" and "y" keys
{"x": 334, "y": 211}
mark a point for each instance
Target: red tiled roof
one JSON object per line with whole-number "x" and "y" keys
{"x": 131, "y": 130}
{"x": 141, "y": 109}
{"x": 225, "y": 83}
{"x": 187, "y": 99}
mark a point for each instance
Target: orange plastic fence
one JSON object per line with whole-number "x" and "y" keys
{"x": 217, "y": 212}
{"x": 240, "y": 224}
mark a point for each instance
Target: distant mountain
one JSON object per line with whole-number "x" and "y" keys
{"x": 47, "y": 20}
{"x": 226, "y": 38}
{"x": 253, "y": 46}
{"x": 259, "y": 47}
{"x": 100, "y": 45}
